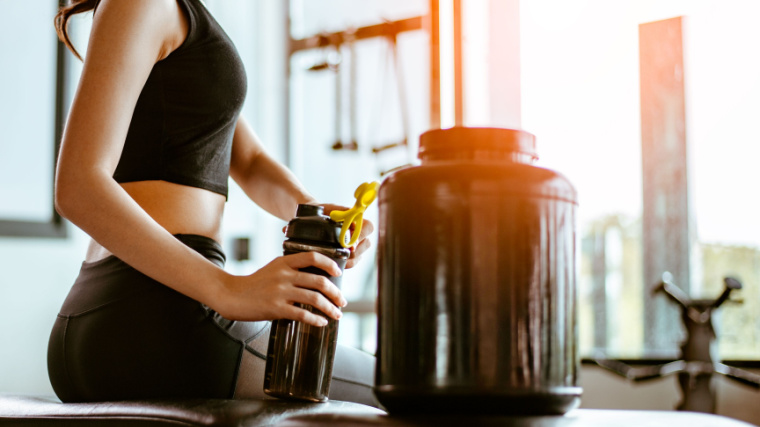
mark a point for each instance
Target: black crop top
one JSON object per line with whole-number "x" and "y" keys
{"x": 185, "y": 117}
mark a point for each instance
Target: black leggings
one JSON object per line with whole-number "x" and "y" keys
{"x": 121, "y": 335}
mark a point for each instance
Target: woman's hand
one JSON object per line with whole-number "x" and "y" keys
{"x": 363, "y": 243}
{"x": 270, "y": 292}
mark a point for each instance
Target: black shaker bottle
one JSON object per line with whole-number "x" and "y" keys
{"x": 300, "y": 356}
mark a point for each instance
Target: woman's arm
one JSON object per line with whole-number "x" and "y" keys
{"x": 127, "y": 39}
{"x": 274, "y": 187}
{"x": 267, "y": 182}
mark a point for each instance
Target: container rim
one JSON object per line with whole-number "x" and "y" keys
{"x": 468, "y": 139}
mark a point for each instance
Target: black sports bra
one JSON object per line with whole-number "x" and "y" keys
{"x": 185, "y": 117}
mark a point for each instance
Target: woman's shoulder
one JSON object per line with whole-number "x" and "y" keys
{"x": 160, "y": 21}
{"x": 137, "y": 8}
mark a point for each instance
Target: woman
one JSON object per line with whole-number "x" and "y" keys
{"x": 153, "y": 134}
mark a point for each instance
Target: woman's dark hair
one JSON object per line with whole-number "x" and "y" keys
{"x": 65, "y": 13}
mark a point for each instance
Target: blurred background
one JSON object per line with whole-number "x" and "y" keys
{"x": 340, "y": 106}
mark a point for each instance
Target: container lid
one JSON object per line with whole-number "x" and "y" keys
{"x": 439, "y": 142}
{"x": 310, "y": 224}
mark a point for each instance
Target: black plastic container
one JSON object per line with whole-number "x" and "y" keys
{"x": 477, "y": 280}
{"x": 300, "y": 356}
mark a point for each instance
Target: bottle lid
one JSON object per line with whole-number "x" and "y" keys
{"x": 311, "y": 225}
{"x": 443, "y": 143}
{"x": 309, "y": 210}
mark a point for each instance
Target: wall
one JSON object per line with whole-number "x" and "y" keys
{"x": 34, "y": 279}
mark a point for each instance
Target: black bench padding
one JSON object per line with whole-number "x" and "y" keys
{"x": 22, "y": 411}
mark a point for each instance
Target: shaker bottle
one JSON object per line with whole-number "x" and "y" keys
{"x": 300, "y": 356}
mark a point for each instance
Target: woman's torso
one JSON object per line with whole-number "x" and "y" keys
{"x": 197, "y": 89}
{"x": 179, "y": 209}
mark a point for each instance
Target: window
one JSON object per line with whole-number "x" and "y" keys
{"x": 31, "y": 117}
{"x": 580, "y": 81}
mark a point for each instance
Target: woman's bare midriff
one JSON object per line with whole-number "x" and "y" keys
{"x": 178, "y": 208}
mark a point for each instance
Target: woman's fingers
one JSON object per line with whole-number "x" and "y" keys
{"x": 315, "y": 282}
{"x": 367, "y": 229}
{"x": 351, "y": 263}
{"x": 316, "y": 300}
{"x": 329, "y": 207}
{"x": 270, "y": 292}
{"x": 312, "y": 259}
{"x": 363, "y": 245}
{"x": 356, "y": 254}
{"x": 300, "y": 315}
